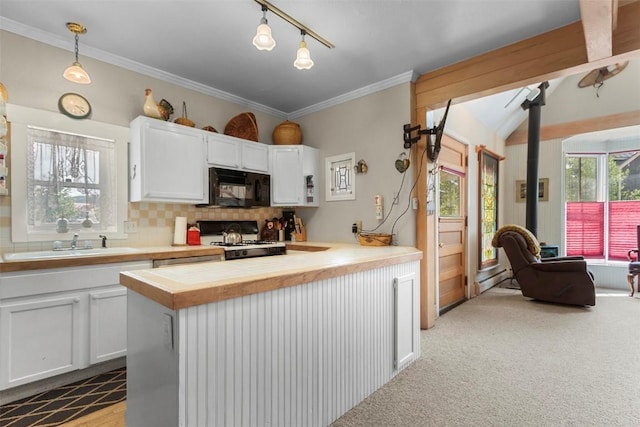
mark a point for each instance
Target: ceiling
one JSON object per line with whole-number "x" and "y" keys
{"x": 207, "y": 44}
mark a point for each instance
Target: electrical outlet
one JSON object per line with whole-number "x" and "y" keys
{"x": 130, "y": 227}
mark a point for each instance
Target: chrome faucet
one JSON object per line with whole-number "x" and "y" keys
{"x": 74, "y": 241}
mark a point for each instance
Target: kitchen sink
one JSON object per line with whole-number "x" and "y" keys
{"x": 73, "y": 253}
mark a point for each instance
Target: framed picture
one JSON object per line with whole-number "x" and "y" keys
{"x": 543, "y": 190}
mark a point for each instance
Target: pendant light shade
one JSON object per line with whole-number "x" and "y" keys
{"x": 303, "y": 57}
{"x": 75, "y": 73}
{"x": 263, "y": 39}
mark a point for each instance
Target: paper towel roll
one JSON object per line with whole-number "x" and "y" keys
{"x": 180, "y": 231}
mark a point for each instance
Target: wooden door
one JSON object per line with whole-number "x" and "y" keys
{"x": 452, "y": 230}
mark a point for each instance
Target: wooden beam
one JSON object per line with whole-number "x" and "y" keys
{"x": 597, "y": 23}
{"x": 557, "y": 53}
{"x": 565, "y": 130}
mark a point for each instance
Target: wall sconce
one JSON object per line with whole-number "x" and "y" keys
{"x": 303, "y": 58}
{"x": 75, "y": 73}
{"x": 361, "y": 167}
{"x": 263, "y": 39}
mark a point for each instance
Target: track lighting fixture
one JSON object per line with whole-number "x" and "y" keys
{"x": 263, "y": 39}
{"x": 75, "y": 73}
{"x": 303, "y": 57}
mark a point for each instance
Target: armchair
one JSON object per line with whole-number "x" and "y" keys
{"x": 563, "y": 280}
{"x": 634, "y": 266}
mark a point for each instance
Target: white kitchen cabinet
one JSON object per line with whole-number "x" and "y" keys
{"x": 40, "y": 339}
{"x": 234, "y": 153}
{"x": 166, "y": 162}
{"x": 108, "y": 324}
{"x": 58, "y": 320}
{"x": 294, "y": 175}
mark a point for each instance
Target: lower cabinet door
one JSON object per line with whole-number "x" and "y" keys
{"x": 107, "y": 324}
{"x": 39, "y": 339}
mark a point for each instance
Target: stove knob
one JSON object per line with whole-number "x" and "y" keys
{"x": 244, "y": 252}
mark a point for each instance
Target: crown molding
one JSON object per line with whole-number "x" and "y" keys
{"x": 119, "y": 61}
{"x": 67, "y": 43}
{"x": 409, "y": 76}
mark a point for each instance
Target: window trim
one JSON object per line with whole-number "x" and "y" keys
{"x": 20, "y": 118}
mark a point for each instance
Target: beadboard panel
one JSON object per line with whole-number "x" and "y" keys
{"x": 298, "y": 356}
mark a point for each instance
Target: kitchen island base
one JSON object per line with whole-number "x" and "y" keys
{"x": 296, "y": 356}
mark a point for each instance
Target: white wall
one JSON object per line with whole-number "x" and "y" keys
{"x": 371, "y": 127}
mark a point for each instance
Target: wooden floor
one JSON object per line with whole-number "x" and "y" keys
{"x": 113, "y": 416}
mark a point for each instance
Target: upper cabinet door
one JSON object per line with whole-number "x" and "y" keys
{"x": 286, "y": 176}
{"x": 223, "y": 151}
{"x": 166, "y": 163}
{"x": 255, "y": 157}
{"x": 294, "y": 175}
{"x": 234, "y": 153}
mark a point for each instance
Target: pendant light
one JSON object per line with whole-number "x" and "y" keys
{"x": 75, "y": 73}
{"x": 303, "y": 57}
{"x": 263, "y": 39}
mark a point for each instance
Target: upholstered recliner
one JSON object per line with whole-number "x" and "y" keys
{"x": 563, "y": 280}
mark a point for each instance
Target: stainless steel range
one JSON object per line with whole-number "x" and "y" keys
{"x": 213, "y": 233}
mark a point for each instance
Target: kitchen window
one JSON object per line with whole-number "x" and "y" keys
{"x": 68, "y": 176}
{"x": 70, "y": 182}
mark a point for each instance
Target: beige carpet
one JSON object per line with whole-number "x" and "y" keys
{"x": 504, "y": 360}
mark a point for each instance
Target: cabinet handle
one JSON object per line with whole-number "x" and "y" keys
{"x": 134, "y": 172}
{"x": 76, "y": 300}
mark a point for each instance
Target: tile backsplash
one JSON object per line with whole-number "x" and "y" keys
{"x": 155, "y": 222}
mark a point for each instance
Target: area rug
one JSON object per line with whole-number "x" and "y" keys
{"x": 66, "y": 403}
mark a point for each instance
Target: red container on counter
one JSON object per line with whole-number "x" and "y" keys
{"x": 193, "y": 236}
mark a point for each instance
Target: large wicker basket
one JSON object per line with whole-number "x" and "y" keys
{"x": 374, "y": 239}
{"x": 287, "y": 133}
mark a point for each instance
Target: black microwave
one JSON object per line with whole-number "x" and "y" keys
{"x": 238, "y": 189}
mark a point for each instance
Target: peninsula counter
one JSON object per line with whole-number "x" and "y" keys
{"x": 281, "y": 340}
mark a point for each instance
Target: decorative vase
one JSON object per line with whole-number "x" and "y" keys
{"x": 287, "y": 133}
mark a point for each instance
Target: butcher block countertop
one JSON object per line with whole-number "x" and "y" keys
{"x": 189, "y": 285}
{"x": 141, "y": 254}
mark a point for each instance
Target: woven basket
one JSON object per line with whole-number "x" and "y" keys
{"x": 243, "y": 126}
{"x": 184, "y": 121}
{"x": 287, "y": 133}
{"x": 374, "y": 239}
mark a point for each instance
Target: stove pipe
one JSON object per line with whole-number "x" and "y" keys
{"x": 533, "y": 157}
